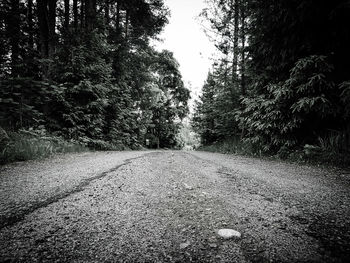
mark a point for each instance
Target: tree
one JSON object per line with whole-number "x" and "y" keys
{"x": 75, "y": 15}
{"x": 66, "y": 14}
{"x": 291, "y": 64}
{"x": 14, "y": 32}
{"x": 89, "y": 71}
{"x": 168, "y": 103}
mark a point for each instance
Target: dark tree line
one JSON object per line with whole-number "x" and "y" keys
{"x": 85, "y": 70}
{"x": 282, "y": 80}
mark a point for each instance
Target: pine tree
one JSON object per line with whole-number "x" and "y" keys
{"x": 291, "y": 64}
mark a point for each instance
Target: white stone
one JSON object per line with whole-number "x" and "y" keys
{"x": 184, "y": 245}
{"x": 188, "y": 187}
{"x": 229, "y": 233}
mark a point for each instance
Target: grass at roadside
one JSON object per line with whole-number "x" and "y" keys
{"x": 30, "y": 144}
{"x": 319, "y": 155}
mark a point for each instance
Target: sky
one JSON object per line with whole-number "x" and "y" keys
{"x": 186, "y": 39}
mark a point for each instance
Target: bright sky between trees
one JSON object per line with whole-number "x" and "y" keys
{"x": 186, "y": 39}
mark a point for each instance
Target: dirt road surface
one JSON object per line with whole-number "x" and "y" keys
{"x": 167, "y": 206}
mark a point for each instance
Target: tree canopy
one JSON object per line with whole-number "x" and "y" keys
{"x": 281, "y": 81}
{"x": 85, "y": 70}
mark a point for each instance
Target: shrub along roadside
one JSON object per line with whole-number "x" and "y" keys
{"x": 33, "y": 144}
{"x": 320, "y": 154}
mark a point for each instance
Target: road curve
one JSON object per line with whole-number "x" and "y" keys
{"x": 167, "y": 206}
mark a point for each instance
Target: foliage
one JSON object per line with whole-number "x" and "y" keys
{"x": 22, "y": 102}
{"x": 290, "y": 87}
{"x": 345, "y": 99}
{"x": 33, "y": 144}
{"x": 88, "y": 73}
{"x": 214, "y": 114}
{"x": 187, "y": 138}
{"x": 230, "y": 145}
{"x": 282, "y": 116}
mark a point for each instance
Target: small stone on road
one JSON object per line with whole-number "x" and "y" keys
{"x": 229, "y": 233}
{"x": 188, "y": 187}
{"x": 184, "y": 245}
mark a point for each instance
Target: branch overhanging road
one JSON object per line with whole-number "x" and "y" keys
{"x": 167, "y": 206}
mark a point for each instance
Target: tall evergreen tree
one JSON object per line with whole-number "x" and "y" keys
{"x": 84, "y": 69}
{"x": 291, "y": 64}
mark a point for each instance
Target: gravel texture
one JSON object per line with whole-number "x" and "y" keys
{"x": 168, "y": 207}
{"x": 26, "y": 186}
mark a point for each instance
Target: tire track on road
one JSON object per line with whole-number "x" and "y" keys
{"x": 8, "y": 221}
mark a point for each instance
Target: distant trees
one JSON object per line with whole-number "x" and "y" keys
{"x": 281, "y": 81}
{"x": 84, "y": 70}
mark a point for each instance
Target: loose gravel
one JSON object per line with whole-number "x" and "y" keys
{"x": 26, "y": 186}
{"x": 168, "y": 207}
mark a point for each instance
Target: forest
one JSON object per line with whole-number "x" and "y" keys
{"x": 280, "y": 84}
{"x": 83, "y": 73}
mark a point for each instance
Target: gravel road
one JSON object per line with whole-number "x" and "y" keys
{"x": 167, "y": 206}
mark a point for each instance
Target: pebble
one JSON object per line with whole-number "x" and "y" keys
{"x": 229, "y": 233}
{"x": 188, "y": 187}
{"x": 184, "y": 245}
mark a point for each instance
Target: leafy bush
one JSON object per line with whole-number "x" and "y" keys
{"x": 287, "y": 114}
{"x": 233, "y": 145}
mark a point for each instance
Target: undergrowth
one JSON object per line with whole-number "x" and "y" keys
{"x": 324, "y": 152}
{"x": 34, "y": 144}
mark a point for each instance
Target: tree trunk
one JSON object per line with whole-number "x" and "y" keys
{"x": 88, "y": 4}
{"x": 47, "y": 27}
{"x": 52, "y": 32}
{"x": 75, "y": 14}
{"x": 235, "y": 41}
{"x": 117, "y": 22}
{"x": 82, "y": 13}
{"x": 227, "y": 70}
{"x": 243, "y": 39}
{"x": 66, "y": 14}
{"x": 107, "y": 20}
{"x": 126, "y": 24}
{"x": 14, "y": 30}
{"x": 30, "y": 25}
{"x": 43, "y": 27}
{"x": 90, "y": 14}
{"x": 52, "y": 26}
